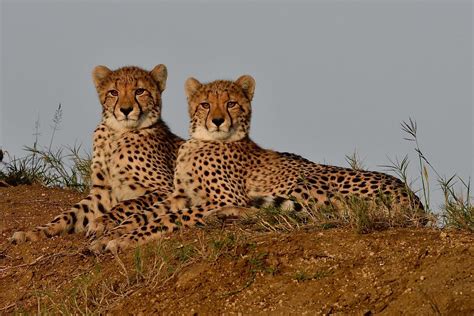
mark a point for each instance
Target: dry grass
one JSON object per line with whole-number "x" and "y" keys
{"x": 364, "y": 216}
{"x": 65, "y": 166}
{"x": 152, "y": 266}
{"x": 458, "y": 208}
{"x": 104, "y": 286}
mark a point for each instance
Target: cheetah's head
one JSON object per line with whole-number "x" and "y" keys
{"x": 220, "y": 110}
{"x": 130, "y": 96}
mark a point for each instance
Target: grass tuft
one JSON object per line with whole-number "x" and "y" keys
{"x": 362, "y": 215}
{"x": 65, "y": 167}
{"x": 355, "y": 161}
{"x": 458, "y": 209}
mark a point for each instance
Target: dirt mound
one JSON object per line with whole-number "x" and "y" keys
{"x": 232, "y": 269}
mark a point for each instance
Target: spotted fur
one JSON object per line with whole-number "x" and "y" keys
{"x": 134, "y": 153}
{"x": 220, "y": 169}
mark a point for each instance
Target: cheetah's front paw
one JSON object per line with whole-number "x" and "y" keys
{"x": 108, "y": 245}
{"x": 98, "y": 246}
{"x": 21, "y": 237}
{"x": 99, "y": 227}
{"x": 116, "y": 245}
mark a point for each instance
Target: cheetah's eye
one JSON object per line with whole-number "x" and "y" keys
{"x": 231, "y": 104}
{"x": 205, "y": 105}
{"x": 113, "y": 93}
{"x": 139, "y": 91}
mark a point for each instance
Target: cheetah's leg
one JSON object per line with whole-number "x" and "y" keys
{"x": 76, "y": 219}
{"x": 148, "y": 228}
{"x": 230, "y": 214}
{"x": 122, "y": 210}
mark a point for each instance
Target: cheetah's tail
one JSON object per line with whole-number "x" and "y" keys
{"x": 276, "y": 202}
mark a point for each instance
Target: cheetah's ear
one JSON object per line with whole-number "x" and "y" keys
{"x": 247, "y": 83}
{"x": 99, "y": 73}
{"x": 190, "y": 86}
{"x": 160, "y": 74}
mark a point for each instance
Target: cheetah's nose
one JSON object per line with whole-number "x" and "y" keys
{"x": 126, "y": 111}
{"x": 218, "y": 121}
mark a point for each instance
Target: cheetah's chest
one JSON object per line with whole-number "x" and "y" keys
{"x": 208, "y": 171}
{"x": 134, "y": 166}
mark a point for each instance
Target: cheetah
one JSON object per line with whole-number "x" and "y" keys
{"x": 220, "y": 169}
{"x": 134, "y": 152}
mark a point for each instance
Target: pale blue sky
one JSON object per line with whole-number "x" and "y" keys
{"x": 332, "y": 76}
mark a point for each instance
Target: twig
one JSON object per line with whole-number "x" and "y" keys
{"x": 246, "y": 285}
{"x": 40, "y": 258}
{"x": 7, "y": 307}
{"x": 122, "y": 266}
